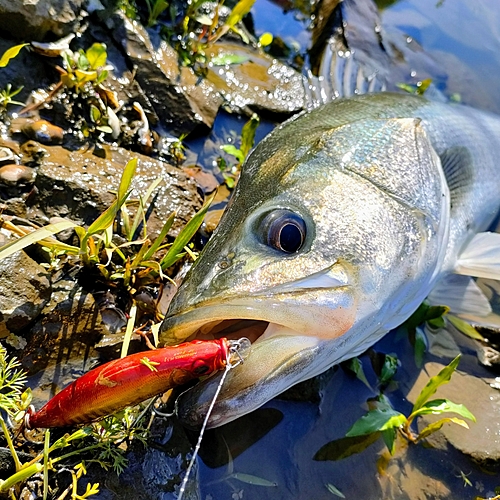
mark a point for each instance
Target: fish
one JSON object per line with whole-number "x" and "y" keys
{"x": 343, "y": 221}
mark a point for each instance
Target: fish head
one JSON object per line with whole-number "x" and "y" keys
{"x": 319, "y": 238}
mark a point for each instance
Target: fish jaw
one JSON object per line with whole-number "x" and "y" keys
{"x": 290, "y": 350}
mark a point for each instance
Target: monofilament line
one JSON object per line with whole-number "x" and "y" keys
{"x": 202, "y": 431}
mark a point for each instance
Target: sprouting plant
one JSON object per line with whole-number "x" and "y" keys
{"x": 241, "y": 153}
{"x": 387, "y": 421}
{"x": 7, "y": 94}
{"x": 83, "y": 68}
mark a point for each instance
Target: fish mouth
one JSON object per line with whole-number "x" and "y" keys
{"x": 287, "y": 331}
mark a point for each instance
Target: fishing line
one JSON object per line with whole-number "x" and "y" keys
{"x": 233, "y": 349}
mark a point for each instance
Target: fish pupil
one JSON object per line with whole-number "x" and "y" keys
{"x": 290, "y": 238}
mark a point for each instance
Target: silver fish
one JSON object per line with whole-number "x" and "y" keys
{"x": 343, "y": 221}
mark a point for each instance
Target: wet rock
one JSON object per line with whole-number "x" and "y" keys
{"x": 259, "y": 83}
{"x": 182, "y": 101}
{"x": 77, "y": 184}
{"x": 34, "y": 19}
{"x": 68, "y": 328}
{"x": 6, "y": 155}
{"x": 482, "y": 440}
{"x": 16, "y": 175}
{"x": 27, "y": 70}
{"x": 24, "y": 291}
{"x": 43, "y": 131}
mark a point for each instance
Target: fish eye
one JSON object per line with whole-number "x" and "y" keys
{"x": 284, "y": 230}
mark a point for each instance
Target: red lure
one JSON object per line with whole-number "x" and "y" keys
{"x": 128, "y": 381}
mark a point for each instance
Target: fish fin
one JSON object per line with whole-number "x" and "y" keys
{"x": 481, "y": 257}
{"x": 461, "y": 294}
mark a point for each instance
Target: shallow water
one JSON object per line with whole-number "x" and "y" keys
{"x": 269, "y": 454}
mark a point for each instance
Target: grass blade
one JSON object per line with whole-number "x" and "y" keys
{"x": 35, "y": 237}
{"x": 129, "y": 331}
{"x": 188, "y": 231}
{"x": 159, "y": 240}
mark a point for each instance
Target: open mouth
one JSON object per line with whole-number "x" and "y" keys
{"x": 232, "y": 329}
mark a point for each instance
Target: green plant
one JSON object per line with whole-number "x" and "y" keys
{"x": 7, "y": 94}
{"x": 419, "y": 89}
{"x": 387, "y": 421}
{"x": 241, "y": 153}
{"x": 84, "y": 68}
{"x": 155, "y": 9}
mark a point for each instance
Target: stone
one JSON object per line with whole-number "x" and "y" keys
{"x": 24, "y": 291}
{"x": 259, "y": 83}
{"x": 482, "y": 441}
{"x": 77, "y": 185}
{"x": 182, "y": 101}
{"x": 29, "y": 20}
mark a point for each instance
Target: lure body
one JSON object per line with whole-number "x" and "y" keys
{"x": 128, "y": 381}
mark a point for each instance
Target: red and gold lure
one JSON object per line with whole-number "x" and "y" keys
{"x": 128, "y": 381}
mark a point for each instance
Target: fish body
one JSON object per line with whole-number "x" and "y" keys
{"x": 342, "y": 222}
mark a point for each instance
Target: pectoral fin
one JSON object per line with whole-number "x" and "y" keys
{"x": 461, "y": 294}
{"x": 481, "y": 257}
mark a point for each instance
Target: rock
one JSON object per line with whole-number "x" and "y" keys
{"x": 77, "y": 184}
{"x": 181, "y": 100}
{"x": 34, "y": 19}
{"x": 24, "y": 291}
{"x": 68, "y": 328}
{"x": 482, "y": 440}
{"x": 259, "y": 83}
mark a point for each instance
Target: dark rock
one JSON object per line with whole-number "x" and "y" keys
{"x": 24, "y": 291}
{"x": 34, "y": 19}
{"x": 77, "y": 184}
{"x": 181, "y": 100}
{"x": 259, "y": 83}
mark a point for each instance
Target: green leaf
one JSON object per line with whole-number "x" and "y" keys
{"x": 389, "y": 368}
{"x": 435, "y": 426}
{"x": 232, "y": 150}
{"x": 159, "y": 240}
{"x": 129, "y": 330}
{"x": 377, "y": 420}
{"x": 438, "y": 406}
{"x": 250, "y": 479}
{"x": 248, "y": 135}
{"x": 10, "y": 54}
{"x": 188, "y": 231}
{"x": 345, "y": 447}
{"x": 443, "y": 377}
{"x": 34, "y": 237}
{"x": 420, "y": 347}
{"x": 126, "y": 179}
{"x": 389, "y": 437}
{"x": 355, "y": 365}
{"x": 464, "y": 327}
{"x": 95, "y": 114}
{"x": 425, "y": 313}
{"x": 227, "y": 59}
{"x": 20, "y": 476}
{"x": 335, "y": 491}
{"x": 96, "y": 55}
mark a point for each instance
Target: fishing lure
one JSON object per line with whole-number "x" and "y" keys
{"x": 130, "y": 380}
